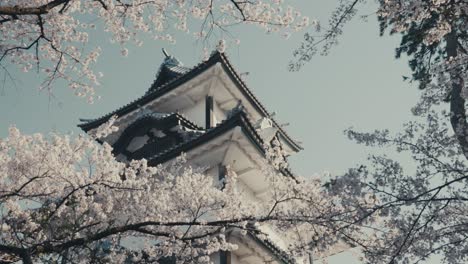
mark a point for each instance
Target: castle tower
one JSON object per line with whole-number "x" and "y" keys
{"x": 208, "y": 113}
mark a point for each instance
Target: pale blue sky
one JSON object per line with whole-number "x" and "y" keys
{"x": 358, "y": 84}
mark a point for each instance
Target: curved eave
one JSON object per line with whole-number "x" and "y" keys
{"x": 174, "y": 83}
{"x": 186, "y": 123}
{"x": 234, "y": 76}
{"x": 150, "y": 96}
{"x": 170, "y": 120}
{"x": 239, "y": 119}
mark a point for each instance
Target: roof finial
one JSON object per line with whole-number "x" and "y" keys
{"x": 169, "y": 60}
{"x": 165, "y": 53}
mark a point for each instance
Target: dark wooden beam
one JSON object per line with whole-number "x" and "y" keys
{"x": 209, "y": 112}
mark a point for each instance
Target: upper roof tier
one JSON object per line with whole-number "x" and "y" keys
{"x": 177, "y": 87}
{"x": 170, "y": 69}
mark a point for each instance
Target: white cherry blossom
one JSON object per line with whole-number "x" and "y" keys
{"x": 51, "y": 36}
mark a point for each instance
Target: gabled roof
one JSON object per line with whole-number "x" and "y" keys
{"x": 165, "y": 122}
{"x": 175, "y": 117}
{"x": 170, "y": 69}
{"x": 237, "y": 119}
{"x": 174, "y": 76}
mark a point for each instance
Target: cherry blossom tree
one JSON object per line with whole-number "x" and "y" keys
{"x": 66, "y": 199}
{"x": 434, "y": 36}
{"x": 50, "y": 36}
{"x": 421, "y": 206}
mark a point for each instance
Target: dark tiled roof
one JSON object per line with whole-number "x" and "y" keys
{"x": 165, "y": 85}
{"x": 171, "y": 119}
{"x": 170, "y": 69}
{"x": 196, "y": 139}
{"x": 152, "y": 94}
{"x": 248, "y": 93}
{"x": 238, "y": 119}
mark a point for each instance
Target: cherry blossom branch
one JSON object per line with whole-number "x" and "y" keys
{"x": 23, "y": 10}
{"x": 309, "y": 47}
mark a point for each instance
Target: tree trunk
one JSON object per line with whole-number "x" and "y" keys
{"x": 457, "y": 102}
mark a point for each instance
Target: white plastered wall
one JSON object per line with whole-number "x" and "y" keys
{"x": 196, "y": 113}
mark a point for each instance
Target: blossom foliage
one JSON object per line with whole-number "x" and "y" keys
{"x": 50, "y": 36}
{"x": 68, "y": 198}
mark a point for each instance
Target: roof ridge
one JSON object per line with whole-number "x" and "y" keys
{"x": 183, "y": 117}
{"x": 242, "y": 82}
{"x": 153, "y": 92}
{"x": 152, "y": 89}
{"x": 150, "y": 92}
